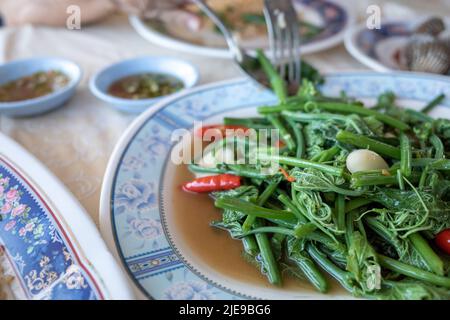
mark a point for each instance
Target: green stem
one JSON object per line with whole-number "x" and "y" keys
{"x": 431, "y": 259}
{"x": 304, "y": 230}
{"x": 375, "y": 180}
{"x": 401, "y": 183}
{"x": 277, "y": 83}
{"x": 441, "y": 164}
{"x": 433, "y": 103}
{"x": 349, "y": 227}
{"x": 356, "y": 203}
{"x": 250, "y": 246}
{"x": 341, "y": 276}
{"x": 357, "y": 109}
{"x": 326, "y": 155}
{"x": 324, "y": 239}
{"x": 263, "y": 197}
{"x": 301, "y": 163}
{"x": 413, "y": 272}
{"x": 405, "y": 155}
{"x": 249, "y": 208}
{"x": 342, "y": 108}
{"x": 278, "y": 230}
{"x": 368, "y": 143}
{"x": 418, "y": 116}
{"x": 284, "y": 133}
{"x": 284, "y": 199}
{"x": 432, "y": 163}
{"x": 423, "y": 177}
{"x": 329, "y": 154}
{"x": 308, "y": 117}
{"x": 265, "y": 249}
{"x": 438, "y": 146}
{"x": 299, "y": 138}
{"x": 311, "y": 272}
{"x": 340, "y": 209}
{"x": 237, "y": 170}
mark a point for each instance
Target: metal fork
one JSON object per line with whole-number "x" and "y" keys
{"x": 284, "y": 38}
{"x": 238, "y": 54}
{"x": 251, "y": 65}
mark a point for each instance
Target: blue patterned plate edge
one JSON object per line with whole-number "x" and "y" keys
{"x": 48, "y": 242}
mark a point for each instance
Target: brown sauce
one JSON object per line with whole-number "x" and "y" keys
{"x": 189, "y": 216}
{"x": 145, "y": 86}
{"x": 35, "y": 85}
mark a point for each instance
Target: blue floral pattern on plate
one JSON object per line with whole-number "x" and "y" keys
{"x": 137, "y": 211}
{"x": 42, "y": 256}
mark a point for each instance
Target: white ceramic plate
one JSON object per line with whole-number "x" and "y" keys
{"x": 138, "y": 194}
{"x": 379, "y": 48}
{"x": 335, "y": 16}
{"x": 50, "y": 245}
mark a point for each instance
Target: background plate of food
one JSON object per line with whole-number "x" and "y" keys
{"x": 420, "y": 46}
{"x": 323, "y": 25}
{"x": 165, "y": 237}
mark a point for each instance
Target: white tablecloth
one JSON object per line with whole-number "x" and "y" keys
{"x": 75, "y": 142}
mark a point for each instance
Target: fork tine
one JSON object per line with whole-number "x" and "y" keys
{"x": 284, "y": 37}
{"x": 274, "y": 32}
{"x": 284, "y": 42}
{"x": 296, "y": 54}
{"x": 276, "y": 35}
{"x": 291, "y": 55}
{"x": 270, "y": 30}
{"x": 297, "y": 59}
{"x": 293, "y": 30}
{"x": 295, "y": 62}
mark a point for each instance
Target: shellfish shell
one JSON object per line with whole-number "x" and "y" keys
{"x": 433, "y": 57}
{"x": 414, "y": 42}
{"x": 432, "y": 26}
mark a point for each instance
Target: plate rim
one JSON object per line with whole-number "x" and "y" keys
{"x": 79, "y": 227}
{"x": 105, "y": 206}
{"x": 169, "y": 42}
{"x": 355, "y": 52}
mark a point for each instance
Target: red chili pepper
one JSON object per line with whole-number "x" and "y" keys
{"x": 213, "y": 183}
{"x": 442, "y": 240}
{"x": 219, "y": 129}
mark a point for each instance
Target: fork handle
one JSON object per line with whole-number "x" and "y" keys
{"x": 232, "y": 45}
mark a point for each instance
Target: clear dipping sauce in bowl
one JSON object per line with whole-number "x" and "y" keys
{"x": 36, "y": 85}
{"x": 145, "y": 86}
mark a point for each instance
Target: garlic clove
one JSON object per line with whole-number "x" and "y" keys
{"x": 364, "y": 160}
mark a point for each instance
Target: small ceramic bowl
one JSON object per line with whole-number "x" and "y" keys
{"x": 20, "y": 68}
{"x": 101, "y": 81}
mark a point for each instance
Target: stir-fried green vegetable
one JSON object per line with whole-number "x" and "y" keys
{"x": 371, "y": 230}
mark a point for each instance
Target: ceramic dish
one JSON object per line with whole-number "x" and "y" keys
{"x": 20, "y": 68}
{"x": 101, "y": 81}
{"x": 140, "y": 191}
{"x": 49, "y": 244}
{"x": 334, "y": 16}
{"x": 378, "y": 48}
